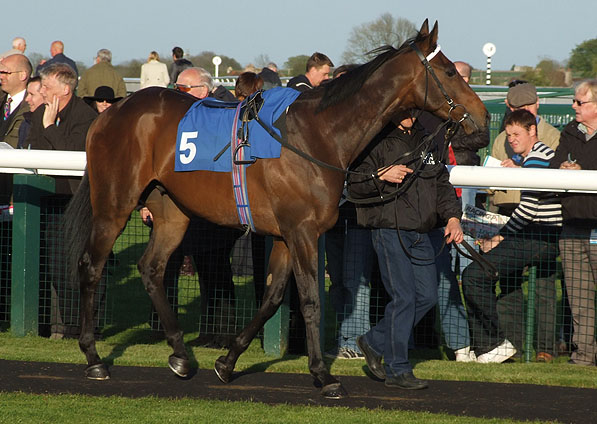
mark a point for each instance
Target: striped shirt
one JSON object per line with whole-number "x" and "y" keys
{"x": 536, "y": 207}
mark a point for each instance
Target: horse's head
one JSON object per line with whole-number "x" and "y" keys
{"x": 439, "y": 88}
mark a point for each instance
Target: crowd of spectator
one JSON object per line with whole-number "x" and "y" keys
{"x": 51, "y": 107}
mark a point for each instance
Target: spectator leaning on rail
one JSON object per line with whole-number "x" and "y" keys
{"x": 60, "y": 124}
{"x": 102, "y": 73}
{"x": 58, "y": 56}
{"x": 399, "y": 232}
{"x": 578, "y": 243}
{"x": 318, "y": 70}
{"x": 528, "y": 239}
{"x": 521, "y": 96}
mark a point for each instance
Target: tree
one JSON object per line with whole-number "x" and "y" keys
{"x": 130, "y": 68}
{"x": 385, "y": 30}
{"x": 262, "y": 60}
{"x": 296, "y": 65}
{"x": 548, "y": 73}
{"x": 583, "y": 59}
{"x": 204, "y": 60}
{"x": 35, "y": 58}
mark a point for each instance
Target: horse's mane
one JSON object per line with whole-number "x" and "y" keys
{"x": 351, "y": 82}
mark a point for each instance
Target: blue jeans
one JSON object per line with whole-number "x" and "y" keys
{"x": 350, "y": 259}
{"x": 412, "y": 286}
{"x": 451, "y": 310}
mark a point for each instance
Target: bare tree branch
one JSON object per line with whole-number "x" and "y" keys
{"x": 385, "y": 30}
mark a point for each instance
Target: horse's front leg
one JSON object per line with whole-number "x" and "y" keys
{"x": 277, "y": 279}
{"x": 304, "y": 253}
{"x": 168, "y": 231}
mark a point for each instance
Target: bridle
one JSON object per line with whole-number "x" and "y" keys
{"x": 429, "y": 71}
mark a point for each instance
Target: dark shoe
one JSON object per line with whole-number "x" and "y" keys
{"x": 406, "y": 381}
{"x": 373, "y": 359}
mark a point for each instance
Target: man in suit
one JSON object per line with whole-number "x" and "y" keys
{"x": 15, "y": 71}
{"x": 58, "y": 56}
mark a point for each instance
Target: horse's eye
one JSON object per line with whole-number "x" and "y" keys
{"x": 451, "y": 72}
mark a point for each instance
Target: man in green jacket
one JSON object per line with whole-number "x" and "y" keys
{"x": 102, "y": 73}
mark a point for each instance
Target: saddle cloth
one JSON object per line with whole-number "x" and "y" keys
{"x": 205, "y": 130}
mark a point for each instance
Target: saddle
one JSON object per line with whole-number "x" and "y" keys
{"x": 209, "y": 126}
{"x": 249, "y": 110}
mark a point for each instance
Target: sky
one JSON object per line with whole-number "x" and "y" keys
{"x": 524, "y": 32}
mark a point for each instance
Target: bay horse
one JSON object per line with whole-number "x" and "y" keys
{"x": 130, "y": 160}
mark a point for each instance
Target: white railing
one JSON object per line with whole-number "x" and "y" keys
{"x": 43, "y": 162}
{"x": 52, "y": 162}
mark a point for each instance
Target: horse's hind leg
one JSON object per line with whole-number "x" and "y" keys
{"x": 278, "y": 273}
{"x": 169, "y": 227}
{"x": 303, "y": 247}
{"x": 103, "y": 235}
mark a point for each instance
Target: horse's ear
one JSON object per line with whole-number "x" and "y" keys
{"x": 424, "y": 28}
{"x": 433, "y": 35}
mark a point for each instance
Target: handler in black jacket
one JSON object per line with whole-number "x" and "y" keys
{"x": 397, "y": 159}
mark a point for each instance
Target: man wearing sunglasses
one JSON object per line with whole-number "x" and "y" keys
{"x": 578, "y": 242}
{"x": 198, "y": 83}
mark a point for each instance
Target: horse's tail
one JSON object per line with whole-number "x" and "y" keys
{"x": 76, "y": 226}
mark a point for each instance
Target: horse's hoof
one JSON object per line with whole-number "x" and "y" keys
{"x": 97, "y": 372}
{"x": 334, "y": 391}
{"x": 179, "y": 366}
{"x": 222, "y": 370}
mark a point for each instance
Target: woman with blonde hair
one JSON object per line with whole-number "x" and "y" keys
{"x": 154, "y": 73}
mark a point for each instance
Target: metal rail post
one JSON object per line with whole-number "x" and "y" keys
{"x": 529, "y": 333}
{"x": 27, "y": 193}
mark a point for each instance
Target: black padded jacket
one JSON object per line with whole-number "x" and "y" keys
{"x": 428, "y": 195}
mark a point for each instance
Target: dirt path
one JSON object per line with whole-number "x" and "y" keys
{"x": 515, "y": 401}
